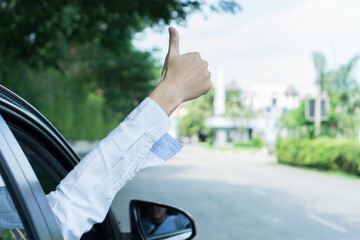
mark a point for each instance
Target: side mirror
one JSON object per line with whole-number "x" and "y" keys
{"x": 153, "y": 221}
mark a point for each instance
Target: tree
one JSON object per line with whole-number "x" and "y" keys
{"x": 42, "y": 32}
{"x": 320, "y": 64}
{"x": 343, "y": 90}
{"x": 198, "y": 110}
{"x": 294, "y": 121}
{"x": 201, "y": 109}
{"x": 74, "y": 59}
{"x": 344, "y": 94}
{"x": 338, "y": 81}
{"x": 235, "y": 107}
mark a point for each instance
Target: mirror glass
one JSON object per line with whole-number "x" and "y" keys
{"x": 164, "y": 222}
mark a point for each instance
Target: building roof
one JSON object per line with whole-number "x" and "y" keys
{"x": 290, "y": 91}
{"x": 233, "y": 85}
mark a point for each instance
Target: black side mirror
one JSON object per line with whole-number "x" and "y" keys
{"x": 153, "y": 221}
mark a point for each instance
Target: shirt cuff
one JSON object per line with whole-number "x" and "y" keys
{"x": 166, "y": 147}
{"x": 151, "y": 118}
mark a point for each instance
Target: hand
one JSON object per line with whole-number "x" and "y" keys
{"x": 184, "y": 77}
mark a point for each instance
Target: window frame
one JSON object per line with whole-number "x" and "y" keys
{"x": 24, "y": 188}
{"x": 22, "y": 117}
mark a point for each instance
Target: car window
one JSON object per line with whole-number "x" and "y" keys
{"x": 11, "y": 226}
{"x": 46, "y": 167}
{"x": 49, "y": 169}
{"x": 45, "y": 164}
{"x": 25, "y": 190}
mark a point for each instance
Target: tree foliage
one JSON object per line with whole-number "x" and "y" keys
{"x": 198, "y": 110}
{"x": 295, "y": 117}
{"x": 344, "y": 93}
{"x": 74, "y": 59}
{"x": 41, "y": 32}
{"x": 235, "y": 107}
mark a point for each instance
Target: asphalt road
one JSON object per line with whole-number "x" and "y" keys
{"x": 248, "y": 196}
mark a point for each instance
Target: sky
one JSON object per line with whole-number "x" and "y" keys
{"x": 268, "y": 42}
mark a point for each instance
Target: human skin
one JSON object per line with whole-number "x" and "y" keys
{"x": 157, "y": 214}
{"x": 184, "y": 77}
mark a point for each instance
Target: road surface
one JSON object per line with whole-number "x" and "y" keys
{"x": 245, "y": 195}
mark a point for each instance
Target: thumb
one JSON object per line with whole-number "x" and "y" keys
{"x": 173, "y": 42}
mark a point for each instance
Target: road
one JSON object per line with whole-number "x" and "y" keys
{"x": 245, "y": 195}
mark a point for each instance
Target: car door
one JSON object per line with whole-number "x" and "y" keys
{"x": 34, "y": 159}
{"x": 24, "y": 189}
{"x": 47, "y": 152}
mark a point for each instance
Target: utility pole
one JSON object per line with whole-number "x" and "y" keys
{"x": 317, "y": 120}
{"x": 220, "y": 108}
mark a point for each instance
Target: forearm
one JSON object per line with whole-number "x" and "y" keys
{"x": 84, "y": 197}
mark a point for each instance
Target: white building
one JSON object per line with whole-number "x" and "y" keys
{"x": 271, "y": 98}
{"x": 269, "y": 102}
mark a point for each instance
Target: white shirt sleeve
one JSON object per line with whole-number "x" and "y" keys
{"x": 84, "y": 196}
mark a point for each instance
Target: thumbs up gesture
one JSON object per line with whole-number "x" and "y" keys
{"x": 184, "y": 77}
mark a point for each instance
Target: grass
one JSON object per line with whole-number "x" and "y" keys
{"x": 230, "y": 148}
{"x": 330, "y": 172}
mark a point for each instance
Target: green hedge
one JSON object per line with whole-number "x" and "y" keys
{"x": 322, "y": 153}
{"x": 255, "y": 142}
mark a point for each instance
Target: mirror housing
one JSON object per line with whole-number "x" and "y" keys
{"x": 151, "y": 221}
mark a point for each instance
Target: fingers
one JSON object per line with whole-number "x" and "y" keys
{"x": 204, "y": 64}
{"x": 163, "y": 72}
{"x": 173, "y": 42}
{"x": 173, "y": 49}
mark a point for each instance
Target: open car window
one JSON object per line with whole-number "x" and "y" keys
{"x": 44, "y": 163}
{"x": 24, "y": 189}
{"x": 50, "y": 167}
{"x": 11, "y": 226}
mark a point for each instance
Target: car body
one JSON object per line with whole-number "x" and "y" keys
{"x": 34, "y": 158}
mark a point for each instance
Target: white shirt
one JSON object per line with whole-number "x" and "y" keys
{"x": 172, "y": 223}
{"x": 84, "y": 196}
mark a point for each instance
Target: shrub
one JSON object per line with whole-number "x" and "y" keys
{"x": 255, "y": 142}
{"x": 244, "y": 144}
{"x": 322, "y": 153}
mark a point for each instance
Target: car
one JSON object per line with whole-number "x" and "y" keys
{"x": 35, "y": 157}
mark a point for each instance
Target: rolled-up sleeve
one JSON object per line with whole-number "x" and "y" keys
{"x": 84, "y": 196}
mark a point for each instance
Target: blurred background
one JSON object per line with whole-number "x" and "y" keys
{"x": 271, "y": 152}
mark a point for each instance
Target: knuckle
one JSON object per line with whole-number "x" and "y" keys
{"x": 173, "y": 41}
{"x": 209, "y": 84}
{"x": 206, "y": 64}
{"x": 173, "y": 38}
{"x": 196, "y": 55}
{"x": 208, "y": 74}
{"x": 207, "y": 87}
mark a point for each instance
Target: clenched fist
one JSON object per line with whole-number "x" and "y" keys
{"x": 184, "y": 77}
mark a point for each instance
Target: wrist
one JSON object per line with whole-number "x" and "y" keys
{"x": 165, "y": 98}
